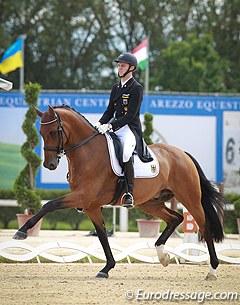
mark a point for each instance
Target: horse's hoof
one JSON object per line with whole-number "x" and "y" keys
{"x": 165, "y": 260}
{"x": 211, "y": 277}
{"x": 20, "y": 235}
{"x": 102, "y": 275}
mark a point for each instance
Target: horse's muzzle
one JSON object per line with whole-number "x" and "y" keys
{"x": 51, "y": 165}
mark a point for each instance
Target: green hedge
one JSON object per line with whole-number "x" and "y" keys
{"x": 70, "y": 219}
{"x": 44, "y": 194}
{"x": 73, "y": 220}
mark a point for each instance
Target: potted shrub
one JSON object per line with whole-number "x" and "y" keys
{"x": 24, "y": 185}
{"x": 148, "y": 227}
{"x": 237, "y": 213}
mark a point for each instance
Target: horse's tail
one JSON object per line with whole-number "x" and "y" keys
{"x": 213, "y": 204}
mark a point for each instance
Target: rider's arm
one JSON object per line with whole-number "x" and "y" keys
{"x": 109, "y": 113}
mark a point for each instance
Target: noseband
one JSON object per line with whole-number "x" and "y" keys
{"x": 60, "y": 132}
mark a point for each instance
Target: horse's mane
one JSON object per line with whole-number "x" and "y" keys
{"x": 74, "y": 110}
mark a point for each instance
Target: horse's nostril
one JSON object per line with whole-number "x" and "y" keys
{"x": 52, "y": 166}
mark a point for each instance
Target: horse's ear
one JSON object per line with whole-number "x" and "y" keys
{"x": 51, "y": 110}
{"x": 39, "y": 112}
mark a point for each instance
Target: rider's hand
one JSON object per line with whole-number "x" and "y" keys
{"x": 96, "y": 125}
{"x": 104, "y": 128}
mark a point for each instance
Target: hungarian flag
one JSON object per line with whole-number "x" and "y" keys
{"x": 141, "y": 53}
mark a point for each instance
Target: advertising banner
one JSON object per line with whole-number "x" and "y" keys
{"x": 196, "y": 124}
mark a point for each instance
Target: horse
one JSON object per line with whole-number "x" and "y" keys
{"x": 92, "y": 184}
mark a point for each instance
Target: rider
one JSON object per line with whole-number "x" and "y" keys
{"x": 123, "y": 111}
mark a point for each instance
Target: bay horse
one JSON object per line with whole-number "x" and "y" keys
{"x": 92, "y": 184}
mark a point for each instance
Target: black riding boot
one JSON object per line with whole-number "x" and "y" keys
{"x": 129, "y": 176}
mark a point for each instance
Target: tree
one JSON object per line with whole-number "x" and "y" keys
{"x": 72, "y": 45}
{"x": 192, "y": 65}
{"x": 148, "y": 118}
{"x": 24, "y": 184}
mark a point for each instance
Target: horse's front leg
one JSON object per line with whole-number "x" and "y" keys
{"x": 96, "y": 217}
{"x": 48, "y": 207}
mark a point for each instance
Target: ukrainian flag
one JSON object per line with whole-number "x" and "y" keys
{"x": 12, "y": 58}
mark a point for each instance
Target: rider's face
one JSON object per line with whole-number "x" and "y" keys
{"x": 122, "y": 68}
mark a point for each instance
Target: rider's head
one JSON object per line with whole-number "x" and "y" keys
{"x": 127, "y": 63}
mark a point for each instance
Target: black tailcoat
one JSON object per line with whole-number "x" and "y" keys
{"x": 124, "y": 108}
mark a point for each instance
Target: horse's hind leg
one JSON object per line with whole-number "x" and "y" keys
{"x": 97, "y": 219}
{"x": 172, "y": 218}
{"x": 205, "y": 228}
{"x": 199, "y": 216}
{"x": 212, "y": 275}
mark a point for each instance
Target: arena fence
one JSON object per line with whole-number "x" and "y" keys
{"x": 186, "y": 252}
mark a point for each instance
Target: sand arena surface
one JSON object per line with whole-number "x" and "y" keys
{"x": 68, "y": 284}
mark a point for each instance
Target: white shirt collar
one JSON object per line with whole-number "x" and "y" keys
{"x": 123, "y": 83}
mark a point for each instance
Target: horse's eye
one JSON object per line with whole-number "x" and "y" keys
{"x": 54, "y": 133}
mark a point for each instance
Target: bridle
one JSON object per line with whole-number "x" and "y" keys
{"x": 60, "y": 133}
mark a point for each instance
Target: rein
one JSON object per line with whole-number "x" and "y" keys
{"x": 59, "y": 149}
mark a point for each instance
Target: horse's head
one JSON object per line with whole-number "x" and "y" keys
{"x": 53, "y": 136}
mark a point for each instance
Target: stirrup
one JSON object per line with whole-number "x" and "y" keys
{"x": 80, "y": 210}
{"x": 130, "y": 205}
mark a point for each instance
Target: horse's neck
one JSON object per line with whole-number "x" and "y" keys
{"x": 79, "y": 129}
{"x": 90, "y": 161}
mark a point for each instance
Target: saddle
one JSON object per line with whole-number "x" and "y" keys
{"x": 141, "y": 169}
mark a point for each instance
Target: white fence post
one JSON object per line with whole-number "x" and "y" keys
{"x": 123, "y": 220}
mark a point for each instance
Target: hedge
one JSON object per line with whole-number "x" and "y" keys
{"x": 74, "y": 219}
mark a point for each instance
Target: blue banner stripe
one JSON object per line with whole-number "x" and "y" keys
{"x": 155, "y": 104}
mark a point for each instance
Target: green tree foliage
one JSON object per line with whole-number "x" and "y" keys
{"x": 24, "y": 184}
{"x": 193, "y": 65}
{"x": 237, "y": 207}
{"x": 148, "y": 123}
{"x": 72, "y": 44}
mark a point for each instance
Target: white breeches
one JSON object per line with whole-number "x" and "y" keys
{"x": 128, "y": 141}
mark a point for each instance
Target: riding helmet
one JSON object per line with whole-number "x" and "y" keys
{"x": 128, "y": 58}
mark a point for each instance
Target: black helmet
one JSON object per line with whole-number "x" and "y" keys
{"x": 128, "y": 58}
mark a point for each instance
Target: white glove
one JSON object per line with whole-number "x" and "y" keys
{"x": 104, "y": 128}
{"x": 97, "y": 124}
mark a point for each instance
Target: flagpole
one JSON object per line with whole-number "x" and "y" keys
{"x": 21, "y": 80}
{"x": 141, "y": 52}
{"x": 146, "y": 85}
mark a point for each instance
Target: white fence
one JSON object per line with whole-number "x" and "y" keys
{"x": 182, "y": 251}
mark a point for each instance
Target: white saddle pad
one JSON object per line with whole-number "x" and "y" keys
{"x": 141, "y": 169}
